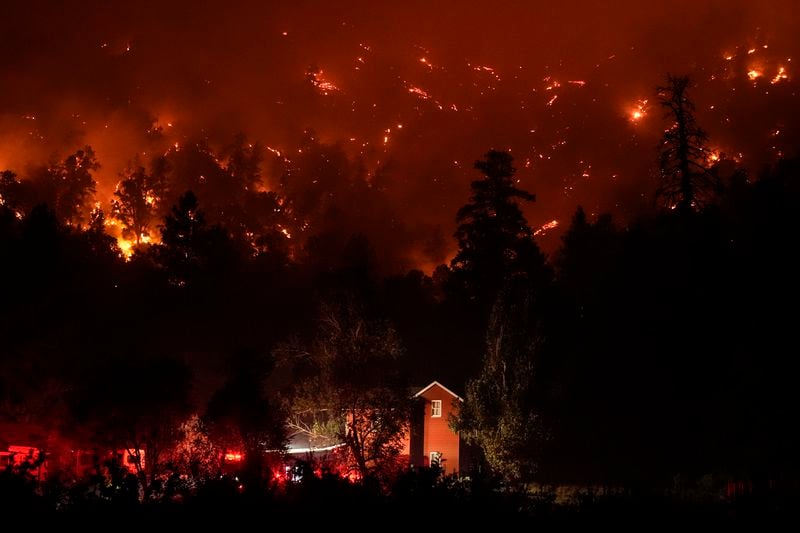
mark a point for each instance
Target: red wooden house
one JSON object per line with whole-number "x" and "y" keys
{"x": 432, "y": 442}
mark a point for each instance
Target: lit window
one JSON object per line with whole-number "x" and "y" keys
{"x": 436, "y": 408}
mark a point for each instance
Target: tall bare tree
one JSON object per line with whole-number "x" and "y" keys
{"x": 686, "y": 182}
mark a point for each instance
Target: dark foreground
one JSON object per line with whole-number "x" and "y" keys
{"x": 416, "y": 499}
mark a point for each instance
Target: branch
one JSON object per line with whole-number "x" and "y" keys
{"x": 306, "y": 429}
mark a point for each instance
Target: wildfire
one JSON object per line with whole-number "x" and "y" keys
{"x": 419, "y": 92}
{"x": 713, "y": 156}
{"x": 546, "y": 227}
{"x": 126, "y": 246}
{"x": 754, "y": 74}
{"x": 780, "y": 76}
{"x": 327, "y": 87}
{"x": 485, "y": 69}
{"x": 317, "y": 79}
{"x": 639, "y": 111}
{"x": 554, "y": 85}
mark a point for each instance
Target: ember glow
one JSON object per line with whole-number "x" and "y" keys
{"x": 780, "y": 76}
{"x": 638, "y": 111}
{"x": 422, "y": 93}
{"x": 553, "y": 85}
{"x": 713, "y": 156}
{"x": 317, "y": 79}
{"x": 546, "y": 227}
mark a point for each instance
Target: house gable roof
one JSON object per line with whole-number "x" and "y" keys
{"x": 435, "y": 383}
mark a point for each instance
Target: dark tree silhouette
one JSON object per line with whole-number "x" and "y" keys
{"x": 686, "y": 182}
{"x": 494, "y": 239}
{"x": 244, "y": 415}
{"x": 193, "y": 166}
{"x": 9, "y": 190}
{"x": 67, "y": 187}
{"x": 133, "y": 403}
{"x": 319, "y": 176}
{"x": 137, "y": 199}
{"x": 586, "y": 259}
{"x": 244, "y": 164}
{"x": 230, "y": 184}
{"x": 189, "y": 246}
{"x": 100, "y": 243}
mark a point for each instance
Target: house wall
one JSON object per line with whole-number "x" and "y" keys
{"x": 437, "y": 435}
{"x": 416, "y": 432}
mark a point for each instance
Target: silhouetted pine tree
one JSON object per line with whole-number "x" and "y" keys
{"x": 686, "y": 183}
{"x": 494, "y": 239}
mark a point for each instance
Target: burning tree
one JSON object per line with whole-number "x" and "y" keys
{"x": 136, "y": 202}
{"x": 244, "y": 164}
{"x": 68, "y": 186}
{"x": 9, "y": 190}
{"x": 686, "y": 182}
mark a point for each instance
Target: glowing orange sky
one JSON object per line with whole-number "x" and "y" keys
{"x": 417, "y": 92}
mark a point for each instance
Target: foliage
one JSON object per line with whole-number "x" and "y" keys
{"x": 500, "y": 411}
{"x": 347, "y": 382}
{"x": 194, "y": 454}
{"x": 189, "y": 246}
{"x": 68, "y": 186}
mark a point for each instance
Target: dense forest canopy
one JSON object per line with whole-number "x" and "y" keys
{"x": 348, "y": 107}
